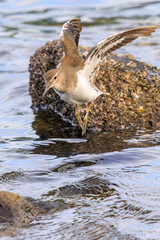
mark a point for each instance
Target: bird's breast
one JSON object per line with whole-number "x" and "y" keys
{"x": 79, "y": 93}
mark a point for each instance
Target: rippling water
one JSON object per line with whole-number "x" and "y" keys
{"x": 104, "y": 186}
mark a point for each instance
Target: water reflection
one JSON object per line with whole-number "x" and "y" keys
{"x": 49, "y": 125}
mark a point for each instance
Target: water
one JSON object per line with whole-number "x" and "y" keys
{"x": 104, "y": 186}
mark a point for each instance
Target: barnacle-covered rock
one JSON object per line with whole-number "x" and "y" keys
{"x": 134, "y": 101}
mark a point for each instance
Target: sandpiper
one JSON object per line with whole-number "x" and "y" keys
{"x": 74, "y": 78}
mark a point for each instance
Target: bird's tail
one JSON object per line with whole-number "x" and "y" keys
{"x": 106, "y": 93}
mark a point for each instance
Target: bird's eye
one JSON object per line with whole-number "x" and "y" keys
{"x": 55, "y": 77}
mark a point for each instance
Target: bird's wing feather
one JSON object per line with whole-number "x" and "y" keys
{"x": 70, "y": 37}
{"x": 110, "y": 44}
{"x": 72, "y": 30}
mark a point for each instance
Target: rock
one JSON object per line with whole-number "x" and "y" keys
{"x": 92, "y": 186}
{"x": 134, "y": 101}
{"x": 15, "y": 209}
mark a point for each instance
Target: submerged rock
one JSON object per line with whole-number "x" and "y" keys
{"x": 15, "y": 209}
{"x": 92, "y": 186}
{"x": 17, "y": 213}
{"x": 134, "y": 101}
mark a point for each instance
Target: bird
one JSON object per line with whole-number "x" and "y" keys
{"x": 74, "y": 79}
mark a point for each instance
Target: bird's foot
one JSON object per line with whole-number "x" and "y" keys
{"x": 86, "y": 119}
{"x": 78, "y": 116}
{"x": 84, "y": 125}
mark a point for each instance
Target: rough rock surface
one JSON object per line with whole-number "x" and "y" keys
{"x": 134, "y": 101}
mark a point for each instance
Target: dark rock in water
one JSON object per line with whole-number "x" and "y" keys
{"x": 15, "y": 209}
{"x": 134, "y": 101}
{"x": 92, "y": 186}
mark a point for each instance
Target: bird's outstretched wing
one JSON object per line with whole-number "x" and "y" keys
{"x": 70, "y": 33}
{"x": 110, "y": 44}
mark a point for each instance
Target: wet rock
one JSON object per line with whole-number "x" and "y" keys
{"x": 92, "y": 186}
{"x": 134, "y": 101}
{"x": 15, "y": 209}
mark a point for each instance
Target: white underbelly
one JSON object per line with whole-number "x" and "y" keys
{"x": 76, "y": 97}
{"x": 83, "y": 93}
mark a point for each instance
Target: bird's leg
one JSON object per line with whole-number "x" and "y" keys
{"x": 86, "y": 118}
{"x": 79, "y": 117}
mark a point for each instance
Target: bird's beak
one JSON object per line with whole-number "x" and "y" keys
{"x": 46, "y": 89}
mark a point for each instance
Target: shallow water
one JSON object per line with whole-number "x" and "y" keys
{"x": 104, "y": 186}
